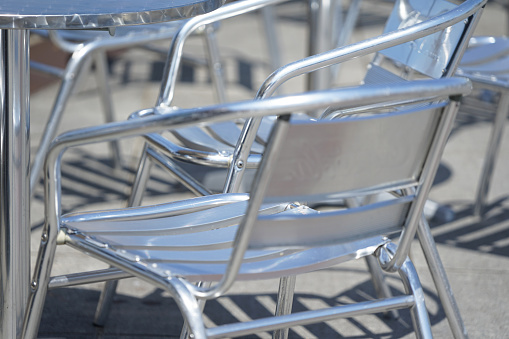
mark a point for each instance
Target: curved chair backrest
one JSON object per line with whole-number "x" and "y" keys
{"x": 434, "y": 55}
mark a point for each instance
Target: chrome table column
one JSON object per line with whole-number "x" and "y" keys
{"x": 14, "y": 175}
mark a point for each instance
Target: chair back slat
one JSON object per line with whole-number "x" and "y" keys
{"x": 429, "y": 55}
{"x": 373, "y": 152}
{"x": 301, "y": 229}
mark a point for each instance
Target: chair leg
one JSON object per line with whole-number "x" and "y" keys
{"x": 39, "y": 285}
{"x": 104, "y": 304}
{"x": 101, "y": 75}
{"x": 420, "y": 318}
{"x": 491, "y": 154}
{"x": 141, "y": 179}
{"x": 269, "y": 24}
{"x": 215, "y": 64}
{"x": 284, "y": 303}
{"x": 69, "y": 81}
{"x": 378, "y": 278}
{"x": 189, "y": 307}
{"x": 441, "y": 282}
{"x": 185, "y": 333}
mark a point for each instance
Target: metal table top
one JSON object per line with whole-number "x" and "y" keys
{"x": 82, "y": 14}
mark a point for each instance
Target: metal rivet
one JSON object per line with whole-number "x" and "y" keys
{"x": 44, "y": 237}
{"x": 240, "y": 164}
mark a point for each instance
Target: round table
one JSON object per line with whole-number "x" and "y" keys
{"x": 16, "y": 19}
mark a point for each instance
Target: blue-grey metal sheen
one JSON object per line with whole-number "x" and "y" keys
{"x": 431, "y": 56}
{"x": 80, "y": 14}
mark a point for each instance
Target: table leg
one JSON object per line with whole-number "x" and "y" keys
{"x": 14, "y": 181}
{"x": 321, "y": 21}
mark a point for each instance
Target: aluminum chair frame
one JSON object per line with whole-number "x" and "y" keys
{"x": 269, "y": 188}
{"x": 468, "y": 13}
{"x": 485, "y": 64}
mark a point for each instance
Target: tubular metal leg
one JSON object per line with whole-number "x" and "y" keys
{"x": 345, "y": 30}
{"x": 14, "y": 176}
{"x": 50, "y": 131}
{"x": 320, "y": 38}
{"x": 215, "y": 64}
{"x": 284, "y": 303}
{"x": 189, "y": 307}
{"x": 40, "y": 281}
{"x": 105, "y": 300}
{"x": 491, "y": 154}
{"x": 419, "y": 313}
{"x": 141, "y": 179}
{"x": 269, "y": 23}
{"x": 378, "y": 279}
{"x": 101, "y": 75}
{"x": 184, "y": 334}
{"x": 441, "y": 282}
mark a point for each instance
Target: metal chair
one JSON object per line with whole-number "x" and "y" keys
{"x": 87, "y": 47}
{"x": 444, "y": 30}
{"x": 485, "y": 63}
{"x": 229, "y": 237}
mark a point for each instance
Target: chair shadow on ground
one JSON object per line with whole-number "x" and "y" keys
{"x": 486, "y": 234}
{"x": 69, "y": 312}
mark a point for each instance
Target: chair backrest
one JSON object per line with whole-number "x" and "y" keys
{"x": 433, "y": 55}
{"x": 344, "y": 158}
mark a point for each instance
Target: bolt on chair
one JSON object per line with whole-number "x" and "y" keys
{"x": 87, "y": 47}
{"x": 227, "y": 237}
{"x": 485, "y": 63}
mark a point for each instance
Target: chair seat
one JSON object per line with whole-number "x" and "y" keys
{"x": 486, "y": 61}
{"x": 198, "y": 245}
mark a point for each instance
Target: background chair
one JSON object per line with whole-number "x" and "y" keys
{"x": 486, "y": 63}
{"x": 140, "y": 241}
{"x": 214, "y": 145}
{"x": 89, "y": 48}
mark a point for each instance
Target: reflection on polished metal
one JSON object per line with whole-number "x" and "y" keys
{"x": 14, "y": 195}
{"x": 79, "y": 14}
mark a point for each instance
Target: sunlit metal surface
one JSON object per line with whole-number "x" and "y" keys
{"x": 429, "y": 55}
{"x": 79, "y": 14}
